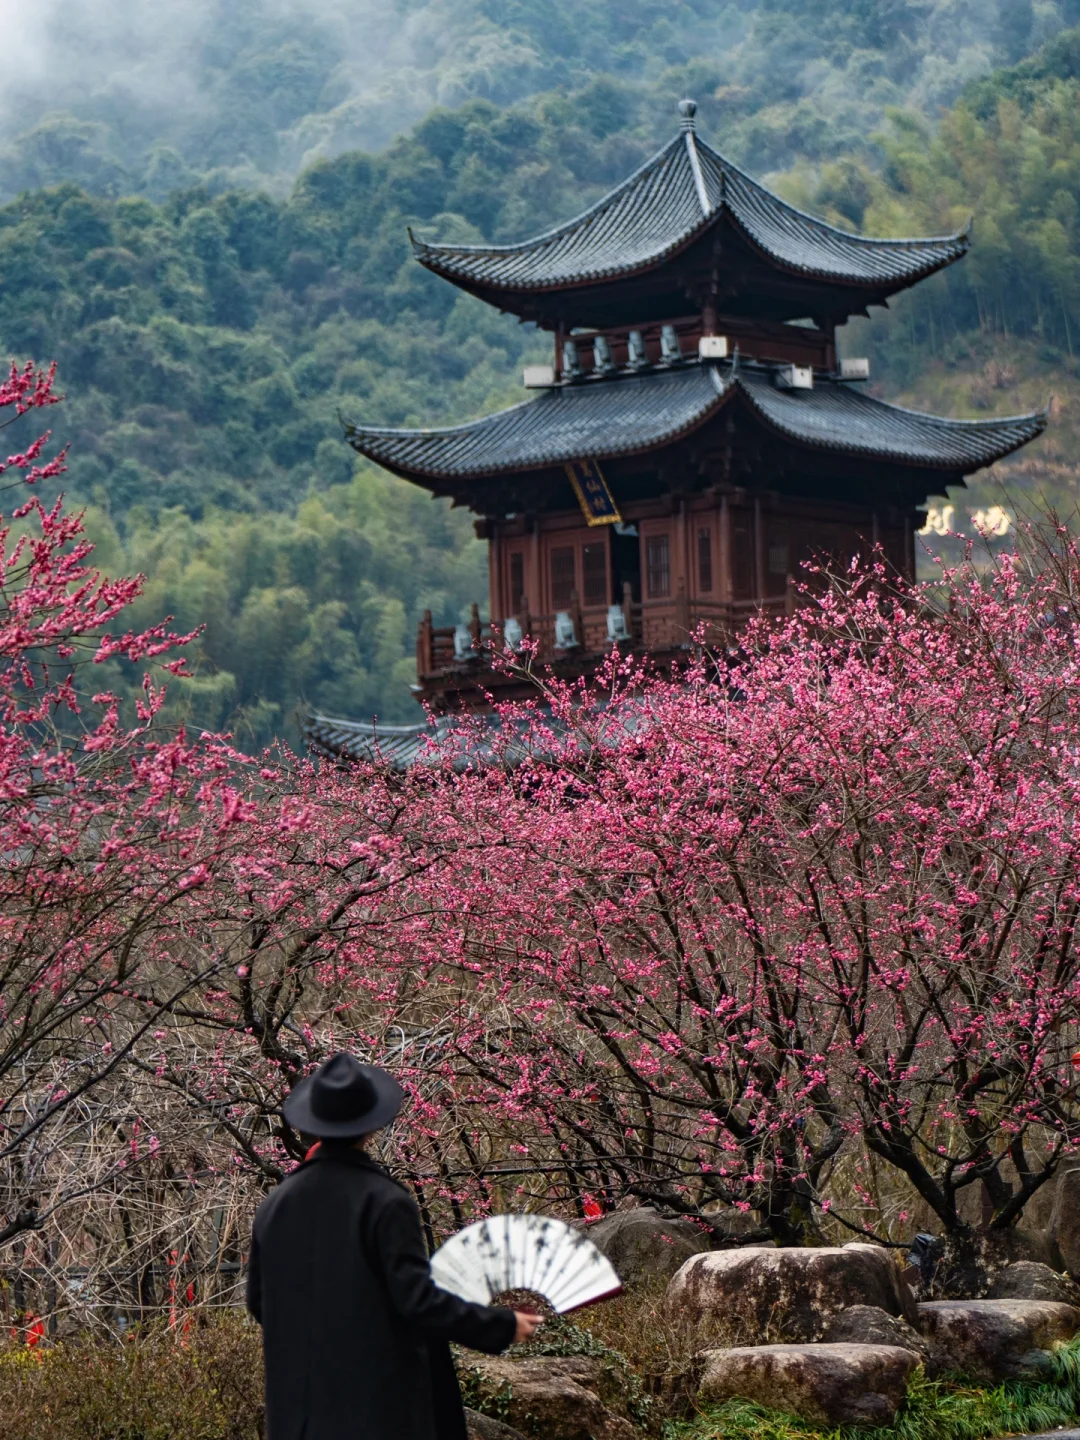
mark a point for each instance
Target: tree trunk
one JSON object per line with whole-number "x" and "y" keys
{"x": 971, "y": 1258}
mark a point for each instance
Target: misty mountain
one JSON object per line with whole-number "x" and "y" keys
{"x": 208, "y": 344}
{"x": 131, "y": 98}
{"x": 221, "y": 266}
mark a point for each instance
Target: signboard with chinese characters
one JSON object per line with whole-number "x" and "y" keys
{"x": 592, "y": 492}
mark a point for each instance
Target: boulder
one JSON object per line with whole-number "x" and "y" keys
{"x": 971, "y": 1260}
{"x": 1027, "y": 1280}
{"x": 756, "y": 1295}
{"x": 1064, "y": 1225}
{"x": 992, "y": 1340}
{"x": 1038, "y": 1222}
{"x": 484, "y": 1427}
{"x": 825, "y": 1384}
{"x": 1039, "y": 1210}
{"x": 731, "y": 1224}
{"x": 644, "y": 1247}
{"x": 868, "y": 1325}
{"x": 548, "y": 1397}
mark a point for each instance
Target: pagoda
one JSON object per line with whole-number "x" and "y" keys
{"x": 694, "y": 440}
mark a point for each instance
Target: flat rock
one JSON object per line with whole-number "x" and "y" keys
{"x": 485, "y": 1427}
{"x": 1027, "y": 1280}
{"x": 993, "y": 1340}
{"x": 549, "y": 1397}
{"x": 867, "y": 1325}
{"x": 758, "y": 1294}
{"x": 643, "y": 1246}
{"x": 825, "y": 1384}
{"x": 1061, "y": 1434}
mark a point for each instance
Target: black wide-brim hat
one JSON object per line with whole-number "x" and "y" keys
{"x": 343, "y": 1100}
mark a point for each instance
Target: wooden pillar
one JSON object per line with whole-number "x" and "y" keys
{"x": 875, "y": 530}
{"x": 628, "y": 608}
{"x": 684, "y": 548}
{"x": 682, "y": 616}
{"x": 759, "y": 549}
{"x": 497, "y": 602}
{"x": 425, "y": 661}
{"x": 726, "y": 554}
{"x": 535, "y": 588}
{"x": 577, "y": 618}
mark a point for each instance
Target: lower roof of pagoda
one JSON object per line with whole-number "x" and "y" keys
{"x": 627, "y": 415}
{"x": 505, "y": 739}
{"x": 398, "y": 747}
{"x": 435, "y": 742}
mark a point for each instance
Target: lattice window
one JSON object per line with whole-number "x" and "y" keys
{"x": 517, "y": 582}
{"x": 704, "y": 560}
{"x": 594, "y": 581}
{"x": 657, "y": 566}
{"x": 779, "y": 559}
{"x": 563, "y": 577}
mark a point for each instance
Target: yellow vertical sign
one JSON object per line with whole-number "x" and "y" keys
{"x": 592, "y": 492}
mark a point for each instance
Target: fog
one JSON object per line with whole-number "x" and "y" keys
{"x": 165, "y": 55}
{"x": 147, "y": 95}
{"x": 254, "y": 88}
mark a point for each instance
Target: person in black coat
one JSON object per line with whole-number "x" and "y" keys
{"x": 356, "y": 1336}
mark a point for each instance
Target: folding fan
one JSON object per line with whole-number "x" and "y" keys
{"x": 524, "y": 1252}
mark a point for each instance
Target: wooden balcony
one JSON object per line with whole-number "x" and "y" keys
{"x": 450, "y": 679}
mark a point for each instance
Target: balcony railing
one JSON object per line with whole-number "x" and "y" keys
{"x": 652, "y": 625}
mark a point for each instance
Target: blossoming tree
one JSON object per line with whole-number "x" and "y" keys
{"x": 174, "y": 918}
{"x": 105, "y": 828}
{"x": 815, "y": 898}
{"x": 723, "y": 943}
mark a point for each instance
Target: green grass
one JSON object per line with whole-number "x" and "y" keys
{"x": 933, "y": 1410}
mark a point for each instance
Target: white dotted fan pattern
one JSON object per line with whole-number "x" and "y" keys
{"x": 524, "y": 1252}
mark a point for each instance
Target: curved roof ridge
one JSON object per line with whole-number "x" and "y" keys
{"x": 836, "y": 417}
{"x": 983, "y": 422}
{"x": 557, "y": 231}
{"x": 962, "y": 234}
{"x": 699, "y": 179}
{"x": 393, "y": 431}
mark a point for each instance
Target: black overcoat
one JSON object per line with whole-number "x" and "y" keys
{"x": 355, "y": 1334}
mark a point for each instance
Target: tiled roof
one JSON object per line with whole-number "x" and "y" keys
{"x": 480, "y": 740}
{"x": 604, "y": 419}
{"x": 841, "y": 417}
{"x": 573, "y": 422}
{"x": 519, "y": 734}
{"x": 397, "y": 746}
{"x": 677, "y": 195}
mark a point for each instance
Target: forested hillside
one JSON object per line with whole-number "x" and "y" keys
{"x": 143, "y": 99}
{"x": 208, "y": 340}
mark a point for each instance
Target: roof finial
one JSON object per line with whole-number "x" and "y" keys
{"x": 687, "y": 109}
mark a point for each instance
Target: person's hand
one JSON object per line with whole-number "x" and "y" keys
{"x": 527, "y": 1324}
